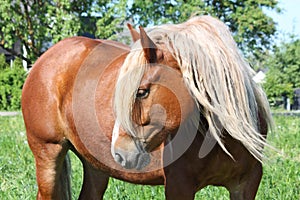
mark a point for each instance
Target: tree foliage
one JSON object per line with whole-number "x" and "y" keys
{"x": 251, "y": 27}
{"x": 11, "y": 82}
{"x": 284, "y": 71}
{"x": 38, "y": 23}
{"x": 112, "y": 15}
{"x": 3, "y": 63}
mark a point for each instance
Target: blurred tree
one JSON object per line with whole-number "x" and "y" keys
{"x": 252, "y": 28}
{"x": 38, "y": 23}
{"x": 284, "y": 70}
{"x": 148, "y": 12}
{"x": 11, "y": 82}
{"x": 111, "y": 17}
{"x": 3, "y": 63}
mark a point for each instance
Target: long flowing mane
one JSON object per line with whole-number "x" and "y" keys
{"x": 217, "y": 76}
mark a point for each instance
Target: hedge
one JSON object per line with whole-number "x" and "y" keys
{"x": 11, "y": 83}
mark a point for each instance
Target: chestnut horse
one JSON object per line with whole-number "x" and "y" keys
{"x": 187, "y": 115}
{"x": 187, "y": 88}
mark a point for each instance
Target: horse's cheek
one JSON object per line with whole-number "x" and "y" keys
{"x": 174, "y": 114}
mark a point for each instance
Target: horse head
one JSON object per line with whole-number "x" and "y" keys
{"x": 151, "y": 103}
{"x": 181, "y": 76}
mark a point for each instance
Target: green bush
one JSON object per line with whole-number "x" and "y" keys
{"x": 11, "y": 83}
{"x": 3, "y": 64}
{"x": 283, "y": 74}
{"x": 275, "y": 88}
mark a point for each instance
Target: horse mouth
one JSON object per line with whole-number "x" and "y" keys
{"x": 142, "y": 161}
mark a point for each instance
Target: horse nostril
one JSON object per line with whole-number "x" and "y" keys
{"x": 120, "y": 159}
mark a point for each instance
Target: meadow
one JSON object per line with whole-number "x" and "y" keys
{"x": 281, "y": 179}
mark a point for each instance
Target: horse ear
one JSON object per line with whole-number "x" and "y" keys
{"x": 134, "y": 34}
{"x": 148, "y": 46}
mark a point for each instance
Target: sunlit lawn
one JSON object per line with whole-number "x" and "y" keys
{"x": 281, "y": 178}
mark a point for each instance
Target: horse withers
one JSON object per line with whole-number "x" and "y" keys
{"x": 179, "y": 108}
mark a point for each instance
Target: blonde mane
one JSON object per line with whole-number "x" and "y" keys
{"x": 217, "y": 76}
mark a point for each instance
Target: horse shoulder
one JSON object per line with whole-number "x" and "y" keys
{"x": 48, "y": 86}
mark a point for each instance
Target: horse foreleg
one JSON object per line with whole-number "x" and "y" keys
{"x": 247, "y": 188}
{"x": 94, "y": 182}
{"x": 52, "y": 170}
{"x": 179, "y": 186}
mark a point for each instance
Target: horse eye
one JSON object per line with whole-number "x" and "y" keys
{"x": 142, "y": 93}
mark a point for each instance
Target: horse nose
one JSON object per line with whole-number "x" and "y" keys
{"x": 125, "y": 159}
{"x": 131, "y": 160}
{"x": 120, "y": 159}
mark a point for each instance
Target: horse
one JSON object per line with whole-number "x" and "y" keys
{"x": 186, "y": 91}
{"x": 152, "y": 114}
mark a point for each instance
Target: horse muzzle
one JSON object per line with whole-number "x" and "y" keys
{"x": 130, "y": 160}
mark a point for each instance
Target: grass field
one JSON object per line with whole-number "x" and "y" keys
{"x": 281, "y": 180}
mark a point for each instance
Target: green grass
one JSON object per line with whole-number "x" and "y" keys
{"x": 281, "y": 178}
